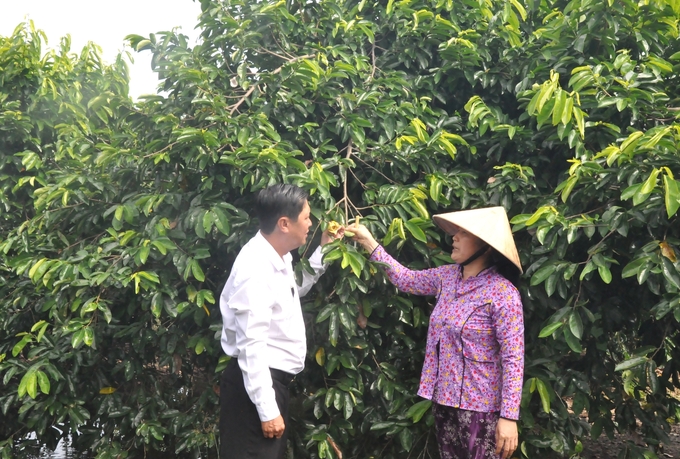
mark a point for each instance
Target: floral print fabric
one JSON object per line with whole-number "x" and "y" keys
{"x": 465, "y": 434}
{"x": 474, "y": 356}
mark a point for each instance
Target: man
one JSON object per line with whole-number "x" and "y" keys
{"x": 263, "y": 329}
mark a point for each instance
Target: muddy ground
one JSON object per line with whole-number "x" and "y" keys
{"x": 604, "y": 448}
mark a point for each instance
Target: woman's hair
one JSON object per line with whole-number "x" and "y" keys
{"x": 505, "y": 267}
{"x": 278, "y": 201}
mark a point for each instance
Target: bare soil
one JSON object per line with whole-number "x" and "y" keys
{"x": 605, "y": 448}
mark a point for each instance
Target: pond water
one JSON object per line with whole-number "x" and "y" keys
{"x": 63, "y": 451}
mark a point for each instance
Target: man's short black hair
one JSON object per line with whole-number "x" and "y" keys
{"x": 278, "y": 201}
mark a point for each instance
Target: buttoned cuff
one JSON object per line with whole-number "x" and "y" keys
{"x": 268, "y": 411}
{"x": 316, "y": 260}
{"x": 510, "y": 414}
{"x": 377, "y": 254}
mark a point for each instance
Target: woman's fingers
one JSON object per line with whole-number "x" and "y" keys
{"x": 505, "y": 447}
{"x": 506, "y": 438}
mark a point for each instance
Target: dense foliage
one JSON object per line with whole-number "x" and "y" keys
{"x": 120, "y": 220}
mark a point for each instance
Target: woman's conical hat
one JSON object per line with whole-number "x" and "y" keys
{"x": 490, "y": 224}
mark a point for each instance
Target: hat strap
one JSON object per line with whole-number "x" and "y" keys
{"x": 475, "y": 255}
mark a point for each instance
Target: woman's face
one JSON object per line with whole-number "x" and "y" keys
{"x": 464, "y": 246}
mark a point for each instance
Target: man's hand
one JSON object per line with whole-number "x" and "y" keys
{"x": 506, "y": 437}
{"x": 333, "y": 232}
{"x": 273, "y": 428}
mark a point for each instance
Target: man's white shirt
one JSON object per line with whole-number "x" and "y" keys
{"x": 262, "y": 318}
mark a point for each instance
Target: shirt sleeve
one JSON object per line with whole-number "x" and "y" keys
{"x": 509, "y": 324}
{"x": 309, "y": 279}
{"x": 424, "y": 282}
{"x": 252, "y": 304}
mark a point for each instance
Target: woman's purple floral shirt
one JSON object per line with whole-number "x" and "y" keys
{"x": 474, "y": 357}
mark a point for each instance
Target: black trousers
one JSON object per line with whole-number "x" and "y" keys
{"x": 241, "y": 434}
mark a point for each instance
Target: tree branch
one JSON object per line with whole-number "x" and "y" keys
{"x": 250, "y": 91}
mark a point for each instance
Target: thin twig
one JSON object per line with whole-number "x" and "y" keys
{"x": 357, "y": 179}
{"x": 313, "y": 234}
{"x": 275, "y": 54}
{"x": 665, "y": 333}
{"x": 589, "y": 257}
{"x": 170, "y": 145}
{"x": 250, "y": 91}
{"x": 344, "y": 185}
{"x": 370, "y": 78}
{"x": 384, "y": 176}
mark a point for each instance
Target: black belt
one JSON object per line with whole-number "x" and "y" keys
{"x": 281, "y": 376}
{"x": 278, "y": 375}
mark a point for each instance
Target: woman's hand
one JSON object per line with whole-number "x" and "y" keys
{"x": 363, "y": 236}
{"x": 506, "y": 437}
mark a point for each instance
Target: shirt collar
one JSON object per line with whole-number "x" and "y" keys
{"x": 482, "y": 275}
{"x": 270, "y": 252}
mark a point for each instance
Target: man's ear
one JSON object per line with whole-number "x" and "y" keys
{"x": 283, "y": 224}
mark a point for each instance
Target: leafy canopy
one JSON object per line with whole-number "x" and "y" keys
{"x": 120, "y": 220}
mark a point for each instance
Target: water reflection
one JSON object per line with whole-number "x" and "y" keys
{"x": 63, "y": 451}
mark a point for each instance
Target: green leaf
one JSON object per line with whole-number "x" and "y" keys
{"x": 332, "y": 255}
{"x": 418, "y": 410}
{"x": 144, "y": 254}
{"x": 652, "y": 378}
{"x": 333, "y": 329}
{"x": 43, "y": 382}
{"x": 628, "y": 145}
{"x": 630, "y": 191}
{"x": 356, "y": 262}
{"x": 560, "y": 101}
{"x": 568, "y": 187}
{"x": 77, "y": 338}
{"x": 157, "y": 304}
{"x": 16, "y": 350}
{"x": 208, "y": 220}
{"x": 576, "y": 324}
{"x": 670, "y": 273}
{"x": 536, "y": 216}
{"x": 520, "y": 9}
{"x": 243, "y": 135}
{"x": 23, "y": 385}
{"x": 630, "y": 363}
{"x": 31, "y": 384}
{"x": 415, "y": 231}
{"x": 646, "y": 188}
{"x": 221, "y": 221}
{"x": 37, "y": 325}
{"x": 196, "y": 271}
{"x": 578, "y": 116}
{"x": 550, "y": 284}
{"x": 406, "y": 439}
{"x": 590, "y": 266}
{"x": 544, "y": 394}
{"x": 572, "y": 341}
{"x": 550, "y": 329}
{"x": 632, "y": 268}
{"x": 542, "y": 274}
{"x": 605, "y": 274}
{"x": 671, "y": 195}
{"x": 88, "y": 336}
{"x": 106, "y": 311}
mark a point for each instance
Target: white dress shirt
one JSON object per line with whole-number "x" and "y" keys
{"x": 262, "y": 318}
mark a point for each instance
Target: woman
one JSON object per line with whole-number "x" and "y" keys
{"x": 474, "y": 356}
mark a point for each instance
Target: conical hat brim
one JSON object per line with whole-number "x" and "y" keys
{"x": 490, "y": 224}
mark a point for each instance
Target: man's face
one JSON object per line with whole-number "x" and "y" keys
{"x": 298, "y": 230}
